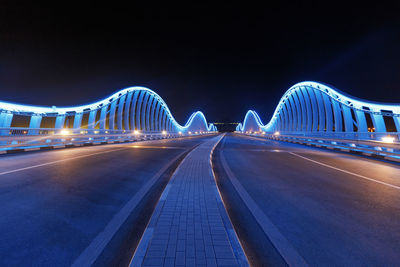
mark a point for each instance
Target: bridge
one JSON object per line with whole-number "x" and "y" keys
{"x": 122, "y": 183}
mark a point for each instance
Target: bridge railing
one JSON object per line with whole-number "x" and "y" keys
{"x": 366, "y": 136}
{"x": 42, "y": 138}
{"x": 381, "y": 145}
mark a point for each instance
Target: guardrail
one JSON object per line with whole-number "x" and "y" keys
{"x": 27, "y": 139}
{"x": 389, "y": 150}
{"x": 368, "y": 136}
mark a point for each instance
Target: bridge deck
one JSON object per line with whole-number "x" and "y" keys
{"x": 190, "y": 225}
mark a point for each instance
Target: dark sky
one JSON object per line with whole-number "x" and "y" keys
{"x": 221, "y": 60}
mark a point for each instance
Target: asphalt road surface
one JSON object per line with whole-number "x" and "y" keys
{"x": 57, "y": 206}
{"x": 331, "y": 208}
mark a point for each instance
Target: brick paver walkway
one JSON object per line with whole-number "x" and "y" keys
{"x": 190, "y": 226}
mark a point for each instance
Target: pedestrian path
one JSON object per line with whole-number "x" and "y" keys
{"x": 190, "y": 226}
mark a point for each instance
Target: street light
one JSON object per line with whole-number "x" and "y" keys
{"x": 64, "y": 132}
{"x": 388, "y": 139}
{"x": 164, "y": 132}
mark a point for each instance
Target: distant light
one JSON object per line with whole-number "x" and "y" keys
{"x": 195, "y": 132}
{"x": 164, "y": 132}
{"x": 276, "y": 133}
{"x": 190, "y": 132}
{"x": 65, "y": 132}
{"x": 96, "y": 132}
{"x": 136, "y": 132}
{"x": 180, "y": 132}
{"x": 388, "y": 139}
{"x": 263, "y": 132}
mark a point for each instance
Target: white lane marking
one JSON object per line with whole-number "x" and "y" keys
{"x": 348, "y": 172}
{"x": 76, "y": 157}
{"x": 61, "y": 160}
{"x": 158, "y": 147}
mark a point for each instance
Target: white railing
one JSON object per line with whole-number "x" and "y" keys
{"x": 377, "y": 146}
{"x": 369, "y": 136}
{"x": 28, "y": 138}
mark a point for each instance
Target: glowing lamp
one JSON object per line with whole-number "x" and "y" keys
{"x": 164, "y": 132}
{"x": 276, "y": 133}
{"x": 136, "y": 132}
{"x": 64, "y": 132}
{"x": 388, "y": 139}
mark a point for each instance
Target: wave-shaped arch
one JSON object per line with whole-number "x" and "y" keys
{"x": 309, "y": 107}
{"x": 133, "y": 108}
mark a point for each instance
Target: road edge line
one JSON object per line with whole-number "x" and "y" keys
{"x": 348, "y": 172}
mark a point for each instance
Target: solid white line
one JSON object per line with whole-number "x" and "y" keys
{"x": 348, "y": 172}
{"x": 75, "y": 157}
{"x": 158, "y": 147}
{"x": 61, "y": 160}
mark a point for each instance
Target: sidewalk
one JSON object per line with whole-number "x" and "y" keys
{"x": 190, "y": 226}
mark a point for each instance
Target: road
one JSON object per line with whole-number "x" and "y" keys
{"x": 330, "y": 208}
{"x": 59, "y": 207}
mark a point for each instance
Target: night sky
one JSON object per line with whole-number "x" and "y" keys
{"x": 222, "y": 60}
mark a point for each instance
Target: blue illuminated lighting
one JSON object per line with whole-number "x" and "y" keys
{"x": 154, "y": 113}
{"x": 315, "y": 108}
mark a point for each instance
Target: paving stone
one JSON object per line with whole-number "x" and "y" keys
{"x": 227, "y": 262}
{"x": 211, "y": 262}
{"x": 190, "y": 262}
{"x": 153, "y": 261}
{"x": 169, "y": 262}
{"x": 180, "y": 258}
{"x": 189, "y": 229}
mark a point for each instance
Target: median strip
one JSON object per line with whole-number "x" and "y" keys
{"x": 190, "y": 225}
{"x": 285, "y": 249}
